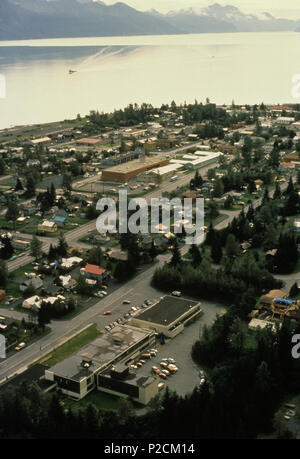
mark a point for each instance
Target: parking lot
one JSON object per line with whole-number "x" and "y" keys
{"x": 179, "y": 348}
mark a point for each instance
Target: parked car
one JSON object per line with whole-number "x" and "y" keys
{"x": 148, "y": 302}
{"x": 126, "y": 315}
{"x": 162, "y": 375}
{"x": 170, "y": 360}
{"x": 154, "y": 368}
{"x": 163, "y": 364}
{"x": 139, "y": 364}
{"x": 107, "y": 313}
{"x": 172, "y": 368}
{"x": 126, "y": 302}
{"x": 98, "y": 295}
{"x": 166, "y": 372}
{"x": 107, "y": 328}
{"x": 157, "y": 371}
{"x": 161, "y": 385}
{"x": 20, "y": 346}
{"x": 111, "y": 325}
{"x": 103, "y": 292}
{"x": 176, "y": 293}
{"x": 146, "y": 356}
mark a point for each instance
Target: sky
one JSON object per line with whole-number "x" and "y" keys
{"x": 287, "y": 8}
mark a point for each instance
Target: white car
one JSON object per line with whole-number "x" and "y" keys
{"x": 176, "y": 293}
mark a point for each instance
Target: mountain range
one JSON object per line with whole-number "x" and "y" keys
{"x": 26, "y": 19}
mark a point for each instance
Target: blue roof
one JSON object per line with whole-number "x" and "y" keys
{"x": 59, "y": 218}
{"x": 284, "y": 301}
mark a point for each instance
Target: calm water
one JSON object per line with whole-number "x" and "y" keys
{"x": 112, "y": 72}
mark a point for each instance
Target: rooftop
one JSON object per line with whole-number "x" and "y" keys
{"x": 135, "y": 164}
{"x": 99, "y": 352}
{"x": 94, "y": 269}
{"x": 167, "y": 310}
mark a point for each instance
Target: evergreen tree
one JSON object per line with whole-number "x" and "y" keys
{"x": 36, "y": 248}
{"x": 43, "y": 315}
{"x": 277, "y": 192}
{"x": 30, "y": 188}
{"x": 176, "y": 255}
{"x": 216, "y": 251}
{"x": 294, "y": 290}
{"x": 19, "y": 186}
{"x": 12, "y": 212}
{"x": 62, "y": 248}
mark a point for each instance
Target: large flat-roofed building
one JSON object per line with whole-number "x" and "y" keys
{"x": 123, "y": 382}
{"x": 168, "y": 316}
{"x": 126, "y": 171}
{"x": 76, "y": 375}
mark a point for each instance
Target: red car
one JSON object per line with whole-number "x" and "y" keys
{"x": 107, "y": 313}
{"x": 156, "y": 371}
{"x": 162, "y": 375}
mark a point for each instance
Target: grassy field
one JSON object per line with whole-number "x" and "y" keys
{"x": 71, "y": 346}
{"x": 99, "y": 399}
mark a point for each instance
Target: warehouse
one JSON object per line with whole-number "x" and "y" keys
{"x": 197, "y": 160}
{"x": 168, "y": 316}
{"x": 76, "y": 375}
{"x": 164, "y": 172}
{"x": 126, "y": 171}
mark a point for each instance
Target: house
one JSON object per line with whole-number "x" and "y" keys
{"x": 70, "y": 262}
{"x": 94, "y": 272}
{"x": 20, "y": 244}
{"x": 35, "y": 282}
{"x": 33, "y": 162}
{"x": 30, "y": 210}
{"x": 48, "y": 227}
{"x": 60, "y": 220}
{"x": 67, "y": 281}
{"x": 117, "y": 255}
{"x": 33, "y": 301}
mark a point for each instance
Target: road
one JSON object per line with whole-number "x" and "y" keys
{"x": 136, "y": 290}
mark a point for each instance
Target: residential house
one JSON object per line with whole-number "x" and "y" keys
{"x": 60, "y": 220}
{"x": 20, "y": 244}
{"x": 117, "y": 255}
{"x": 94, "y": 272}
{"x": 48, "y": 227}
{"x": 35, "y": 282}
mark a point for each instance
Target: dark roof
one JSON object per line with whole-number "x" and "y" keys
{"x": 33, "y": 373}
{"x": 167, "y": 310}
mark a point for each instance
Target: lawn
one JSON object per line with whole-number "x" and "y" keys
{"x": 101, "y": 400}
{"x": 71, "y": 346}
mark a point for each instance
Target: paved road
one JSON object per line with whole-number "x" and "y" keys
{"x": 136, "y": 290}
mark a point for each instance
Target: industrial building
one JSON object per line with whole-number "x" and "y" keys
{"x": 123, "y": 172}
{"x": 198, "y": 159}
{"x": 121, "y": 381}
{"x": 168, "y": 316}
{"x": 164, "y": 172}
{"x": 77, "y": 375}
